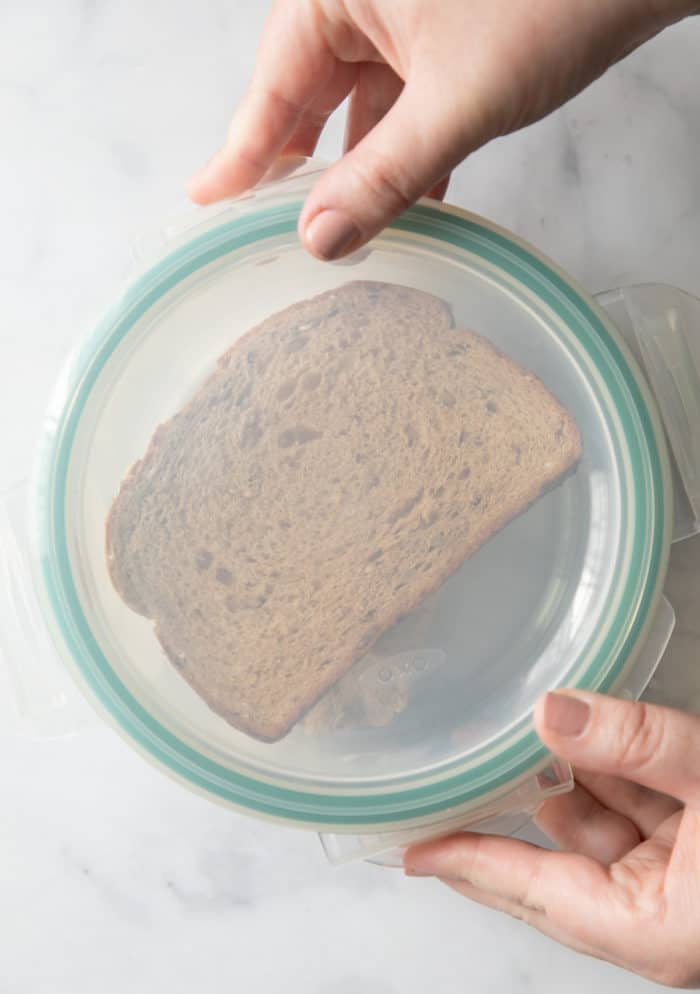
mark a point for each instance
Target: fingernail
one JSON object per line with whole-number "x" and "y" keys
{"x": 565, "y": 715}
{"x": 330, "y": 233}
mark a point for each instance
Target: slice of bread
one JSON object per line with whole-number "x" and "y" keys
{"x": 345, "y": 457}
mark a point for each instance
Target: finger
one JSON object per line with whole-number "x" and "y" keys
{"x": 376, "y": 90}
{"x": 503, "y": 904}
{"x": 507, "y": 868}
{"x": 648, "y": 861}
{"x": 644, "y": 808}
{"x": 638, "y": 880}
{"x": 294, "y": 65}
{"x": 577, "y": 822}
{"x": 568, "y": 896}
{"x": 313, "y": 120}
{"x": 404, "y": 156}
{"x": 536, "y": 919}
{"x": 653, "y": 746}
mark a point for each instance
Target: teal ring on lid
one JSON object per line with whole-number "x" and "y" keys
{"x": 356, "y": 807}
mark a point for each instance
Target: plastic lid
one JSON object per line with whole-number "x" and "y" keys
{"x": 438, "y": 712}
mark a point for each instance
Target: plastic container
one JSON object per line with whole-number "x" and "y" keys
{"x": 568, "y": 594}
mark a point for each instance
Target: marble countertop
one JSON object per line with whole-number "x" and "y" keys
{"x": 112, "y": 878}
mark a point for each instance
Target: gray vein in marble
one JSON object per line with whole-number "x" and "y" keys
{"x": 674, "y": 103}
{"x": 197, "y": 901}
{"x": 571, "y": 163}
{"x": 118, "y": 897}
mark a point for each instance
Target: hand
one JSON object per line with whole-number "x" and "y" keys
{"x": 430, "y": 83}
{"x": 626, "y": 888}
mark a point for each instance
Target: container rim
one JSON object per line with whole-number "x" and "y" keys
{"x": 350, "y": 808}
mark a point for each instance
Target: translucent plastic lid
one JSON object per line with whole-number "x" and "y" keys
{"x": 344, "y": 560}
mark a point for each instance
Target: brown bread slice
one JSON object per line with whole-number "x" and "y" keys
{"x": 345, "y": 457}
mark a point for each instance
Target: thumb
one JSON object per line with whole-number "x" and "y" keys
{"x": 653, "y": 746}
{"x": 405, "y": 155}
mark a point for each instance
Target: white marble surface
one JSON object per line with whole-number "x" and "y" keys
{"x": 113, "y": 879}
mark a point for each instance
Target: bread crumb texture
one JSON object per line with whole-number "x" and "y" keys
{"x": 346, "y": 456}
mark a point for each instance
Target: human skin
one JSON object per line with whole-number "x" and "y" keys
{"x": 429, "y": 83}
{"x": 625, "y": 885}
